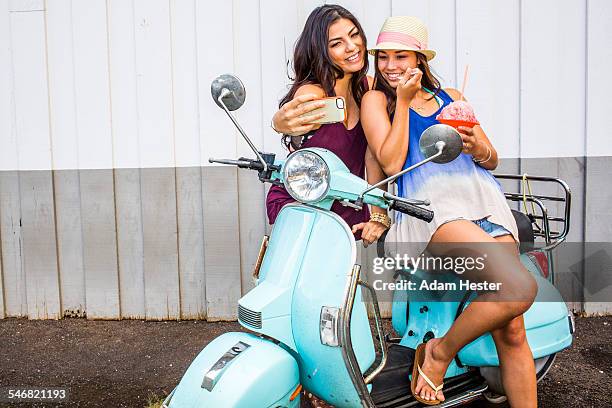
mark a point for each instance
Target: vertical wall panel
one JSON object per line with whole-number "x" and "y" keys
{"x": 158, "y": 188}
{"x": 130, "y": 242}
{"x": 439, "y": 15}
{"x": 221, "y": 240}
{"x": 547, "y": 80}
{"x": 553, "y": 68}
{"x": 219, "y": 184}
{"x": 488, "y": 40}
{"x": 95, "y": 152}
{"x": 191, "y": 242}
{"x": 599, "y": 88}
{"x": 126, "y": 157}
{"x": 187, "y": 146}
{"x": 160, "y": 243}
{"x": 277, "y": 41}
{"x": 251, "y": 200}
{"x": 34, "y": 151}
{"x": 215, "y": 57}
{"x": 13, "y": 273}
{"x": 65, "y": 156}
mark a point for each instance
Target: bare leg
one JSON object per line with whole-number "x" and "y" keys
{"x": 516, "y": 364}
{"x": 502, "y": 266}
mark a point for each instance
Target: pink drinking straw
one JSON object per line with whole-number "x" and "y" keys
{"x": 465, "y": 77}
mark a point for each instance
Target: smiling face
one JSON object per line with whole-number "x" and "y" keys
{"x": 345, "y": 46}
{"x": 393, "y": 64}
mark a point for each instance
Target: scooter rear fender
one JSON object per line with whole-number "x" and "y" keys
{"x": 239, "y": 370}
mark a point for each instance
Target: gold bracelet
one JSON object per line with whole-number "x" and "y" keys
{"x": 382, "y": 218}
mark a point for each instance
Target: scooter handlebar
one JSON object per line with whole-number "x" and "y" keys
{"x": 412, "y": 210}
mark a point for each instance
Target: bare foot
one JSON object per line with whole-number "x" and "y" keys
{"x": 434, "y": 367}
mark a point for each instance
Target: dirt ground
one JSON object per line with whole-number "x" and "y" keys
{"x": 126, "y": 363}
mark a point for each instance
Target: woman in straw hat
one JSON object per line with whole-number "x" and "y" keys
{"x": 468, "y": 204}
{"x": 330, "y": 59}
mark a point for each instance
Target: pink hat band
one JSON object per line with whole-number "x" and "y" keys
{"x": 400, "y": 38}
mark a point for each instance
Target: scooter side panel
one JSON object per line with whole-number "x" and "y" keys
{"x": 280, "y": 267}
{"x": 323, "y": 281}
{"x": 260, "y": 376}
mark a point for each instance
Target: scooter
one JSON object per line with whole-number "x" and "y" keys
{"x": 307, "y": 318}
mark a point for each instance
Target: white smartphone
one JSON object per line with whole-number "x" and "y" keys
{"x": 334, "y": 109}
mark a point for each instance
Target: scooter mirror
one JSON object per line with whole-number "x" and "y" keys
{"x": 441, "y": 133}
{"x": 230, "y": 89}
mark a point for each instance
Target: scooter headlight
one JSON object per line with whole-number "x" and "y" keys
{"x": 306, "y": 176}
{"x": 328, "y": 326}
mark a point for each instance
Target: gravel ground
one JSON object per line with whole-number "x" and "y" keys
{"x": 126, "y": 363}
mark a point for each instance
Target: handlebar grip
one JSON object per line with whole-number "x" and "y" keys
{"x": 412, "y": 210}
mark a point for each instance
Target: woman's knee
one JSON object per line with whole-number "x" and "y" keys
{"x": 511, "y": 335}
{"x": 518, "y": 293}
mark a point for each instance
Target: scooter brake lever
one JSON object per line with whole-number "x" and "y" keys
{"x": 356, "y": 205}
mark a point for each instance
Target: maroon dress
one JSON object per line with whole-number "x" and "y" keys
{"x": 350, "y": 146}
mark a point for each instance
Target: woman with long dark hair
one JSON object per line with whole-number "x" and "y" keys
{"x": 330, "y": 59}
{"x": 471, "y": 213}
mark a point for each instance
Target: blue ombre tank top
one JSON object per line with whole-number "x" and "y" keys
{"x": 460, "y": 189}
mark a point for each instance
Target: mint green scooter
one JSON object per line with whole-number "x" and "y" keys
{"x": 307, "y": 320}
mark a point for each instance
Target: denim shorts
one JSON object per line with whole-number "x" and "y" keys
{"x": 494, "y": 230}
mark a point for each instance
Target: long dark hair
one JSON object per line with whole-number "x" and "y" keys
{"x": 428, "y": 81}
{"x": 311, "y": 61}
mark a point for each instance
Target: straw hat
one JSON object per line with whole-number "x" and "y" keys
{"x": 403, "y": 33}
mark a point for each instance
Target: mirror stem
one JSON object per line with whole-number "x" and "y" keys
{"x": 439, "y": 145}
{"x": 224, "y": 93}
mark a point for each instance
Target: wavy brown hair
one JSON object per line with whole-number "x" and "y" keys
{"x": 311, "y": 61}
{"x": 428, "y": 81}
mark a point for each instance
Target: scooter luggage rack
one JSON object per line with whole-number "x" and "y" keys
{"x": 542, "y": 221}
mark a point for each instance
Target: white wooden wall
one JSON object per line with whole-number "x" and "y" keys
{"x": 108, "y": 205}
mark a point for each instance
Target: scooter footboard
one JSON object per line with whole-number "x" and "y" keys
{"x": 239, "y": 370}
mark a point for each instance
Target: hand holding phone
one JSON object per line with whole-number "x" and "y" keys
{"x": 334, "y": 110}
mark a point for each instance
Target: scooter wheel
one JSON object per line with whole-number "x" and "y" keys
{"x": 492, "y": 374}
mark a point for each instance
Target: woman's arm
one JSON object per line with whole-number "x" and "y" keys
{"x": 374, "y": 174}
{"x": 287, "y": 119}
{"x": 372, "y": 230}
{"x": 389, "y": 141}
{"x": 476, "y": 141}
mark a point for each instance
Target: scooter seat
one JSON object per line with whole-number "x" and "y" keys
{"x": 525, "y": 231}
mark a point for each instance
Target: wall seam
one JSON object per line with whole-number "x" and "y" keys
{"x": 520, "y": 85}
{"x": 585, "y": 177}
{"x": 113, "y": 173}
{"x": 204, "y": 312}
{"x": 176, "y": 194}
{"x": 52, "y": 171}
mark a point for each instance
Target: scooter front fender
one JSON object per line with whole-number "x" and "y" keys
{"x": 239, "y": 370}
